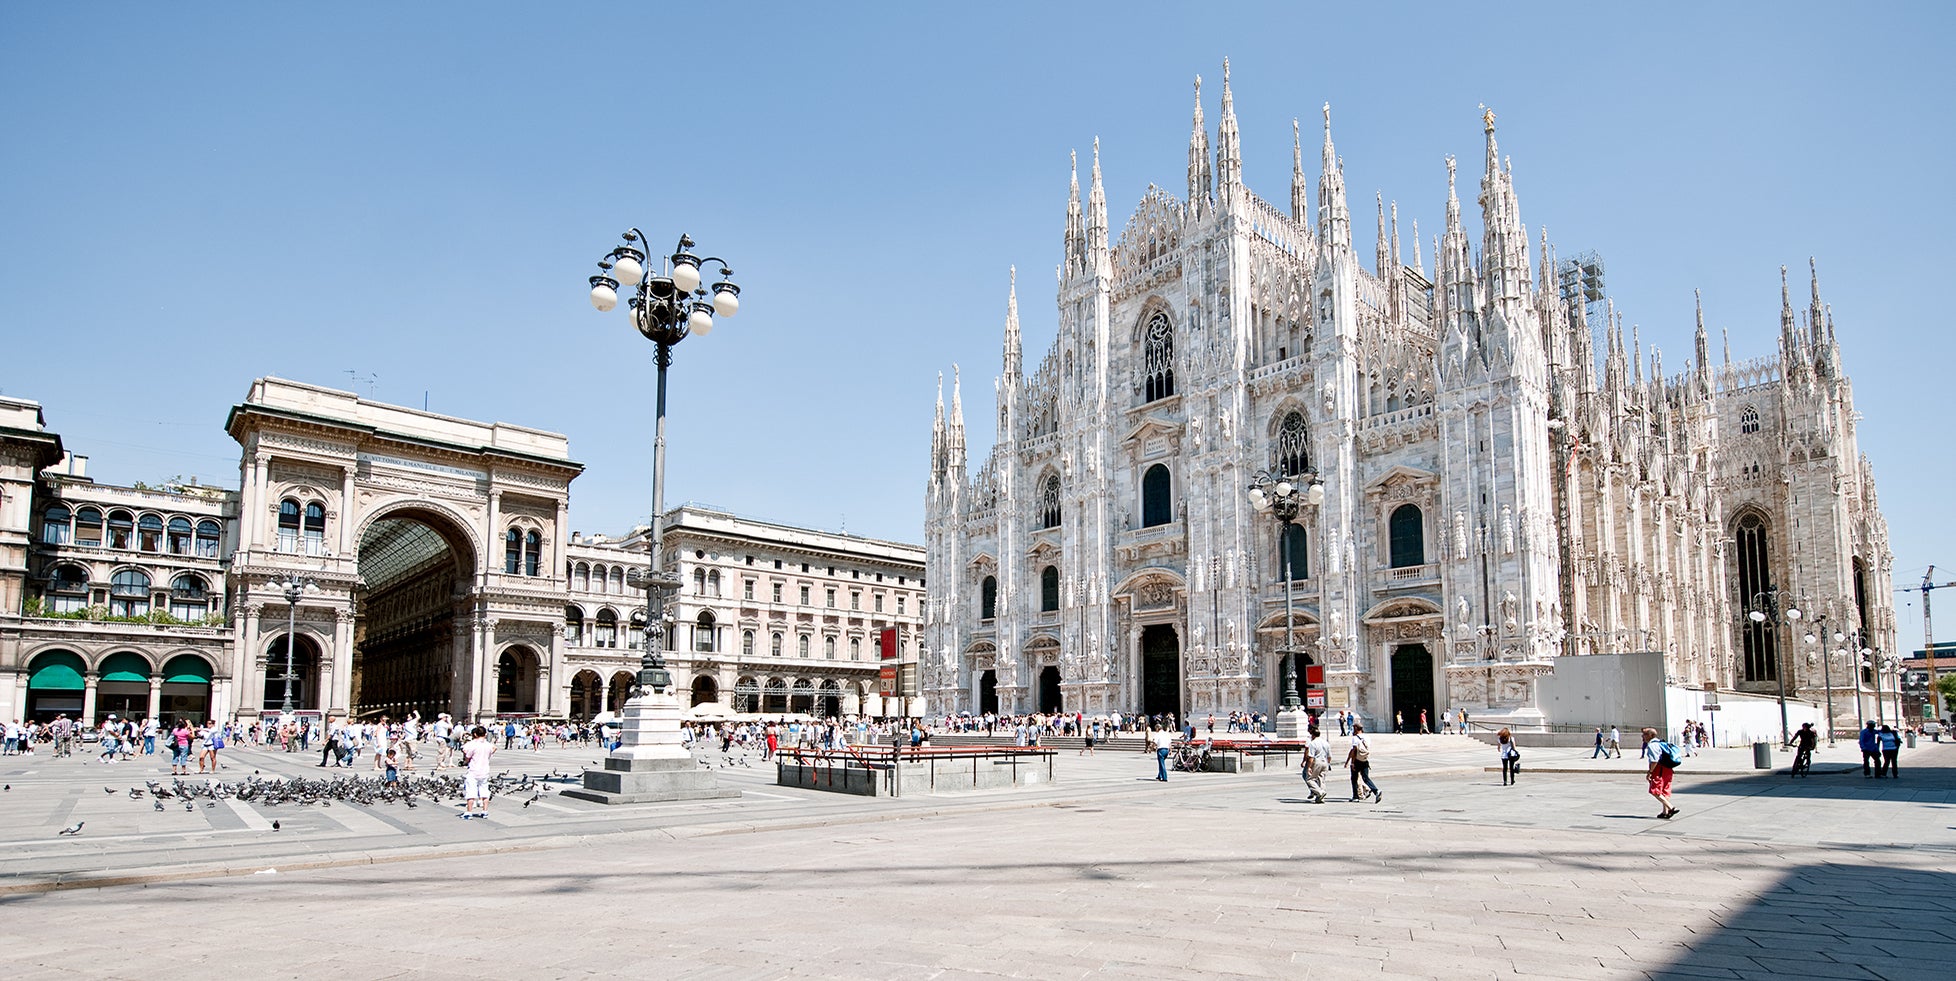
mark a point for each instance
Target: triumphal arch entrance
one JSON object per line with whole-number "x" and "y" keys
{"x": 435, "y": 546}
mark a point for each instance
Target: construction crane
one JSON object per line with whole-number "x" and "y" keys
{"x": 1928, "y": 587}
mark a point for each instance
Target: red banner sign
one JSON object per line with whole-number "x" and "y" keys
{"x": 886, "y": 644}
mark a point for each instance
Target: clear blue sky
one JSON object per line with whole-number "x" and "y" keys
{"x": 198, "y": 194}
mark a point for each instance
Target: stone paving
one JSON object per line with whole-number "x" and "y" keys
{"x": 1107, "y": 874}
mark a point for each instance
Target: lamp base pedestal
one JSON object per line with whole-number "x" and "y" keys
{"x": 1293, "y": 723}
{"x": 650, "y": 763}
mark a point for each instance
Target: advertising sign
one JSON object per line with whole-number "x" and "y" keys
{"x": 1314, "y": 698}
{"x": 887, "y": 679}
{"x": 886, "y": 643}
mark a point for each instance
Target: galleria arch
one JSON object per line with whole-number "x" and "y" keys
{"x": 436, "y": 545}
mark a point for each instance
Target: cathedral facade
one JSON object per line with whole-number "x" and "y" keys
{"x": 1488, "y": 494}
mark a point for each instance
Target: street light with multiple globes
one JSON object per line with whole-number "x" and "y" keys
{"x": 1282, "y": 496}
{"x": 294, "y": 589}
{"x": 1766, "y": 608}
{"x": 666, "y": 307}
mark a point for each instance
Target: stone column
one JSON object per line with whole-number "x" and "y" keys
{"x": 492, "y": 536}
{"x": 88, "y": 699}
{"x": 155, "y": 697}
{"x": 338, "y": 695}
{"x": 485, "y": 669}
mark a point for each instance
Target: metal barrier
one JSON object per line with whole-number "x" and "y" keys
{"x": 957, "y": 767}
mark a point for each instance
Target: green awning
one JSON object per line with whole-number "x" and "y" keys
{"x": 187, "y": 669}
{"x": 57, "y": 671}
{"x": 125, "y": 666}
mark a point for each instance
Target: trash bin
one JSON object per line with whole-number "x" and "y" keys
{"x": 1911, "y": 739}
{"x": 1762, "y": 756}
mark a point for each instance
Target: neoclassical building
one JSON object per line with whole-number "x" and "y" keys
{"x": 446, "y": 580}
{"x": 1496, "y": 496}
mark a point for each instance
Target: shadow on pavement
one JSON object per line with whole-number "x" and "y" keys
{"x": 1830, "y": 921}
{"x": 1926, "y": 778}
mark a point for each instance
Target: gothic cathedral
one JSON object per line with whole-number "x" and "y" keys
{"x": 1484, "y": 498}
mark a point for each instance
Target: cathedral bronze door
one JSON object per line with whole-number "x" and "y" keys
{"x": 1412, "y": 687}
{"x": 988, "y": 692}
{"x": 1161, "y": 670}
{"x": 1049, "y": 689}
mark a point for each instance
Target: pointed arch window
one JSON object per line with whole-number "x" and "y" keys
{"x": 1049, "y": 501}
{"x": 988, "y": 598}
{"x": 1293, "y": 446}
{"x": 1759, "y": 641}
{"x": 1157, "y": 507}
{"x": 1749, "y": 420}
{"x": 1406, "y": 531}
{"x": 1158, "y": 359}
{"x": 1049, "y": 589}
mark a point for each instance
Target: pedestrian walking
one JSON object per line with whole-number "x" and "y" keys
{"x": 1601, "y": 750}
{"x": 1160, "y": 740}
{"x": 475, "y": 783}
{"x": 1662, "y": 764}
{"x": 1358, "y": 759}
{"x": 1870, "y": 751}
{"x": 1423, "y": 730}
{"x": 1804, "y": 742}
{"x": 180, "y": 739}
{"x": 1510, "y": 757}
{"x": 1398, "y": 721}
{"x": 1317, "y": 763}
{"x": 1891, "y": 747}
{"x": 1616, "y": 742}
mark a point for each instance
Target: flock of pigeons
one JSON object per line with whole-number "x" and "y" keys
{"x": 409, "y": 790}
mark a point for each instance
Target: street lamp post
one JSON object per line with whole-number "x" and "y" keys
{"x": 667, "y": 304}
{"x": 1282, "y": 496}
{"x": 1826, "y": 667}
{"x": 1765, "y": 609}
{"x": 294, "y": 588}
{"x": 666, "y": 308}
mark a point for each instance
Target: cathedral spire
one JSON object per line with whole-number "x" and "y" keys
{"x": 1395, "y": 238}
{"x": 1014, "y": 360}
{"x": 1300, "y": 206}
{"x": 1637, "y": 350}
{"x": 1789, "y": 337}
{"x": 1096, "y": 214}
{"x": 1382, "y": 259}
{"x": 937, "y": 431}
{"x": 1229, "y": 142}
{"x": 1816, "y": 311}
{"x": 1199, "y": 184}
{"x": 1076, "y": 229}
{"x": 1334, "y": 218}
{"x": 1702, "y": 348}
{"x": 1419, "y": 261}
{"x": 954, "y": 440}
{"x": 1503, "y": 246}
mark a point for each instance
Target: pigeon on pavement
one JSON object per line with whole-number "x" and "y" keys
{"x": 73, "y": 829}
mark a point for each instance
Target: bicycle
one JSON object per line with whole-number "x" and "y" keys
{"x": 1188, "y": 759}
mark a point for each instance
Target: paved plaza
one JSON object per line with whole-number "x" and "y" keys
{"x": 1105, "y": 874}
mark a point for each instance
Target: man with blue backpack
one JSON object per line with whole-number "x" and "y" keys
{"x": 1663, "y": 759}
